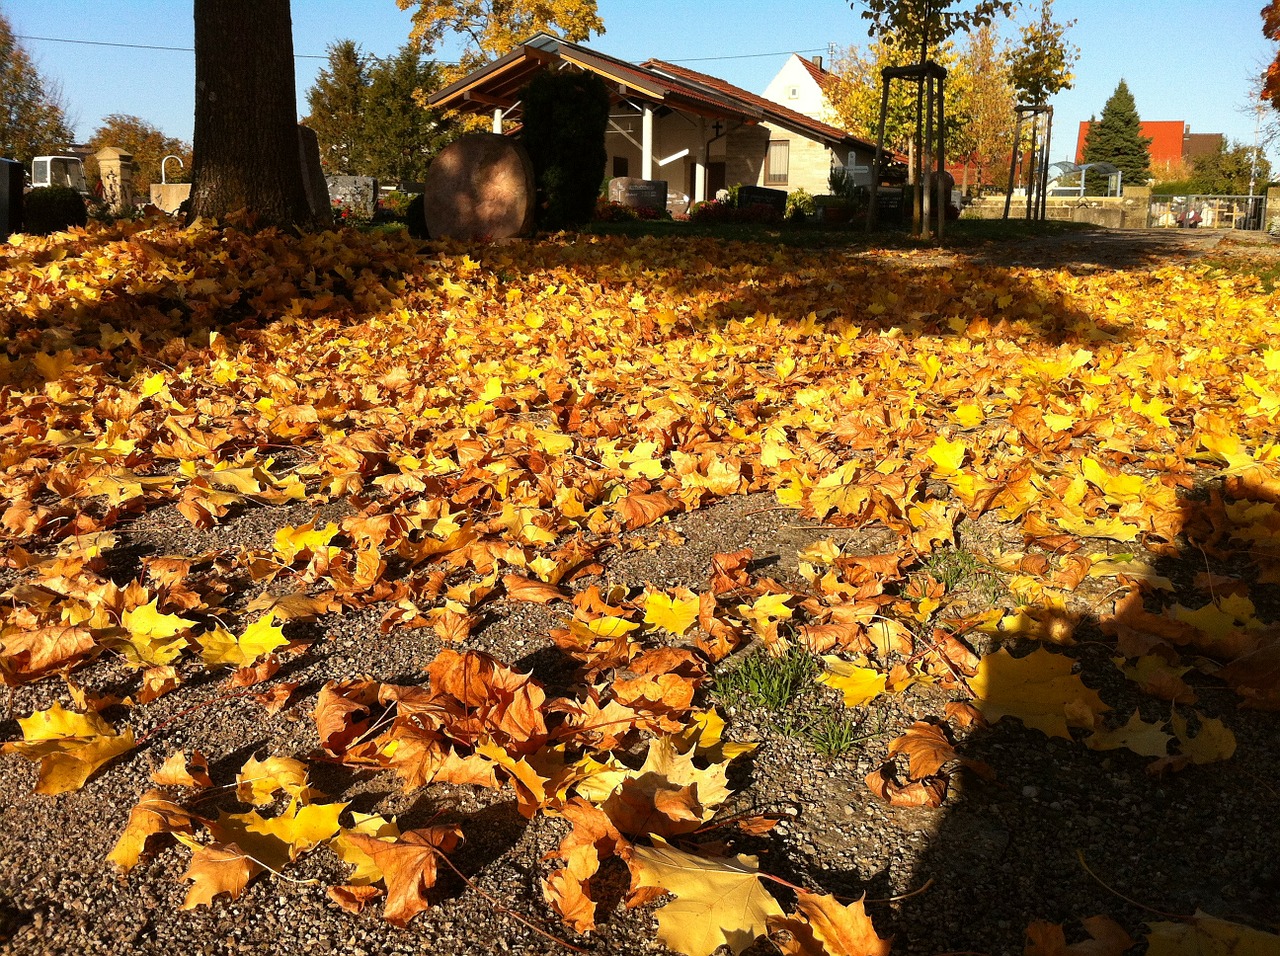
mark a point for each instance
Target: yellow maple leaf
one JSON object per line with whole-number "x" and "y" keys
{"x": 1038, "y": 689}
{"x": 306, "y": 538}
{"x": 675, "y": 612}
{"x": 260, "y": 780}
{"x": 366, "y": 824}
{"x": 1206, "y": 935}
{"x": 154, "y": 639}
{"x": 1146, "y": 740}
{"x": 69, "y": 746}
{"x": 301, "y": 827}
{"x": 221, "y": 648}
{"x": 860, "y": 685}
{"x": 718, "y": 902}
{"x": 947, "y": 456}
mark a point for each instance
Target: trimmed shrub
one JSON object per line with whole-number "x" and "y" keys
{"x": 415, "y": 217}
{"x": 565, "y": 117}
{"x": 800, "y": 205}
{"x": 53, "y": 209}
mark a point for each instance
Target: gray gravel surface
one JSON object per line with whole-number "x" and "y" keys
{"x": 973, "y": 873}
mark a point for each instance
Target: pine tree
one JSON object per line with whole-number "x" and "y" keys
{"x": 400, "y": 138}
{"x": 337, "y": 104}
{"x": 1117, "y": 138}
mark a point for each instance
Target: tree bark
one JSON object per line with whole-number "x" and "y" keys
{"x": 245, "y": 141}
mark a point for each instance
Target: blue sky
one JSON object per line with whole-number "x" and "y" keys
{"x": 1188, "y": 60}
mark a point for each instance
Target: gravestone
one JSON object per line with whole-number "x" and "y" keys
{"x": 638, "y": 193}
{"x": 313, "y": 176}
{"x": 775, "y": 199}
{"x": 677, "y": 203}
{"x": 115, "y": 167}
{"x": 12, "y": 178}
{"x": 479, "y": 186}
{"x": 890, "y": 204}
{"x": 357, "y": 193}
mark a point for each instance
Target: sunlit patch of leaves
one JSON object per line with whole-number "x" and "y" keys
{"x": 453, "y": 427}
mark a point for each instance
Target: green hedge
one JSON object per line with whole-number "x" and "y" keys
{"x": 566, "y": 114}
{"x": 52, "y": 209}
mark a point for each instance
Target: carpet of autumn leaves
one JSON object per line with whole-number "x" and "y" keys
{"x": 497, "y": 420}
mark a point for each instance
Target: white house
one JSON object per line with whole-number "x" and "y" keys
{"x": 696, "y": 131}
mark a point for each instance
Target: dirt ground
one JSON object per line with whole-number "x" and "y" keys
{"x": 1058, "y": 832}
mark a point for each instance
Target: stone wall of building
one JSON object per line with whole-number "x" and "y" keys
{"x": 810, "y": 163}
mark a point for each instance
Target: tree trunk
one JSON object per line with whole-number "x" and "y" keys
{"x": 245, "y": 141}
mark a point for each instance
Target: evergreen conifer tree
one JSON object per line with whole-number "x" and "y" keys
{"x": 337, "y": 103}
{"x": 400, "y": 138}
{"x": 1117, "y": 138}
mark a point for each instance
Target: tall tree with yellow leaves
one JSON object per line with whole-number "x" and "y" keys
{"x": 490, "y": 28}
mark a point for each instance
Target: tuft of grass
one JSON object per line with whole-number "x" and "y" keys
{"x": 952, "y": 567}
{"x": 965, "y": 573}
{"x": 832, "y": 733}
{"x": 767, "y": 682}
{"x": 787, "y": 687}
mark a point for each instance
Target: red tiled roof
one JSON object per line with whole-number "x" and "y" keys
{"x": 498, "y": 84}
{"x": 773, "y": 112}
{"x": 820, "y": 76}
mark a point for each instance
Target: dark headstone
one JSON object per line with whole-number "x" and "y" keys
{"x": 480, "y": 186}
{"x": 313, "y": 176}
{"x": 889, "y": 203}
{"x": 775, "y": 199}
{"x": 638, "y": 193}
{"x": 677, "y": 204}
{"x": 12, "y": 178}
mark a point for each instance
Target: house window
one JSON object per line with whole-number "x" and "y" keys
{"x": 777, "y": 163}
{"x": 793, "y": 92}
{"x": 620, "y": 166}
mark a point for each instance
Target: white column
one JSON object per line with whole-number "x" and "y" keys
{"x": 700, "y": 163}
{"x": 497, "y": 120}
{"x": 646, "y": 144}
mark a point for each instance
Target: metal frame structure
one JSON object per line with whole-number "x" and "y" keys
{"x": 930, "y": 80}
{"x": 1038, "y": 180}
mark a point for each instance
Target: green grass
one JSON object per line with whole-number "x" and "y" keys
{"x": 787, "y": 688}
{"x": 832, "y": 732}
{"x": 770, "y": 683}
{"x": 1266, "y": 269}
{"x": 966, "y": 575}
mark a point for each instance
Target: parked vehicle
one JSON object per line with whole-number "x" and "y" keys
{"x": 59, "y": 171}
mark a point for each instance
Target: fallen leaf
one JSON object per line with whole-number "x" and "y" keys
{"x": 70, "y": 747}
{"x": 1039, "y": 689}
{"x": 1205, "y": 935}
{"x": 718, "y": 902}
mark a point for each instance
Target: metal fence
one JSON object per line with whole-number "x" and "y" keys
{"x": 1206, "y": 212}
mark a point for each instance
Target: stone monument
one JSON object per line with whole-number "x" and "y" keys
{"x": 639, "y": 193}
{"x": 115, "y": 168}
{"x": 480, "y": 186}
{"x": 359, "y": 194}
{"x": 313, "y": 176}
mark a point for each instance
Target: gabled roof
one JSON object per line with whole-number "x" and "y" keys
{"x": 820, "y": 76}
{"x": 498, "y": 84}
{"x": 774, "y": 113}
